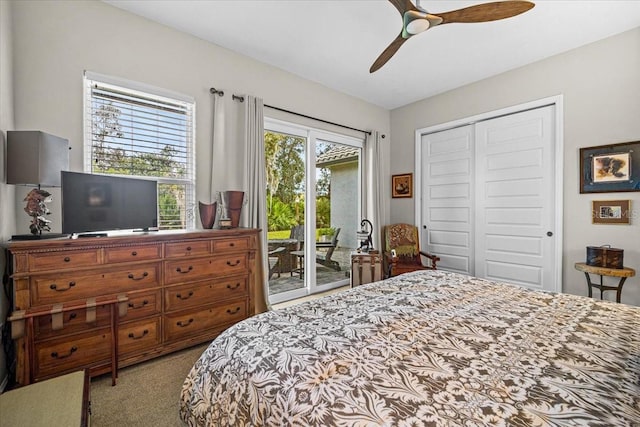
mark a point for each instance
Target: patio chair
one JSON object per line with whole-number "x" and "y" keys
{"x": 403, "y": 240}
{"x": 275, "y": 260}
{"x": 324, "y": 257}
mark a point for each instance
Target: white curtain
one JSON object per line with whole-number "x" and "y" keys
{"x": 218, "y": 147}
{"x": 374, "y": 200}
{"x": 255, "y": 213}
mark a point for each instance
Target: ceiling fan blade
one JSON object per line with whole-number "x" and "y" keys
{"x": 486, "y": 12}
{"x": 403, "y": 5}
{"x": 387, "y": 53}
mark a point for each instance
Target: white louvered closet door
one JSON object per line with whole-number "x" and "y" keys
{"x": 447, "y": 187}
{"x": 488, "y": 198}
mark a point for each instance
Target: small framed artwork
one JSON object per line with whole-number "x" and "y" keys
{"x": 611, "y": 211}
{"x": 610, "y": 168}
{"x": 402, "y": 185}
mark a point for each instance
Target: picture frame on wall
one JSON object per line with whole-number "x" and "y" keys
{"x": 611, "y": 211}
{"x": 402, "y": 185}
{"x": 610, "y": 168}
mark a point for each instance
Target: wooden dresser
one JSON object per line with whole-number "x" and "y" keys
{"x": 179, "y": 289}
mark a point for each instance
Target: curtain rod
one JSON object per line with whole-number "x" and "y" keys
{"x": 368, "y": 132}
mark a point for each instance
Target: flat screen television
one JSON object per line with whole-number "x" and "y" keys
{"x": 100, "y": 203}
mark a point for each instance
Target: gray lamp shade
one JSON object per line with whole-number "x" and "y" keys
{"x": 36, "y": 158}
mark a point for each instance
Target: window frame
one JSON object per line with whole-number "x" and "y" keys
{"x": 142, "y": 89}
{"x": 312, "y": 135}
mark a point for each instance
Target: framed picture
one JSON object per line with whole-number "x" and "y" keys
{"x": 610, "y": 168}
{"x": 611, "y": 211}
{"x": 402, "y": 185}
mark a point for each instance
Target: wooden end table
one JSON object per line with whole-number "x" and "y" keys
{"x": 622, "y": 273}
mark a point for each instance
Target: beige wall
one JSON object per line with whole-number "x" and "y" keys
{"x": 601, "y": 90}
{"x": 7, "y": 208}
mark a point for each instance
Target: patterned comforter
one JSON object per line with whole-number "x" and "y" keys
{"x": 428, "y": 348}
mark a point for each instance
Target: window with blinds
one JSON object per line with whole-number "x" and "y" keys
{"x": 134, "y": 130}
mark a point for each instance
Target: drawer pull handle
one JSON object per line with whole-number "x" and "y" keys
{"x": 144, "y": 333}
{"x": 134, "y": 253}
{"x": 72, "y": 316}
{"x": 132, "y": 305}
{"x": 230, "y": 264}
{"x": 180, "y": 270}
{"x": 189, "y": 295}
{"x": 55, "y": 287}
{"x": 67, "y": 259}
{"x": 233, "y": 288}
{"x": 188, "y": 248}
{"x": 232, "y": 244}
{"x": 55, "y": 354}
{"x": 229, "y": 311}
{"x": 132, "y": 277}
{"x": 183, "y": 324}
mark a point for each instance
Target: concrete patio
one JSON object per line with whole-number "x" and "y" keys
{"x": 291, "y": 280}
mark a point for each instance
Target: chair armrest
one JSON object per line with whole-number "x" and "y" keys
{"x": 324, "y": 245}
{"x": 434, "y": 259}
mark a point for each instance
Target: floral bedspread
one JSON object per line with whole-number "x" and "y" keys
{"x": 428, "y": 348}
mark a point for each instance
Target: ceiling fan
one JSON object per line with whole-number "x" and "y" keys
{"x": 415, "y": 20}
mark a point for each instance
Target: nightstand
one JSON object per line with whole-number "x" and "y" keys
{"x": 366, "y": 267}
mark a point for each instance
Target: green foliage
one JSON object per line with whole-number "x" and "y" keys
{"x": 323, "y": 212}
{"x": 280, "y": 234}
{"x": 280, "y": 215}
{"x": 284, "y": 156}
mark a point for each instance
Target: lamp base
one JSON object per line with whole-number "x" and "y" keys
{"x": 38, "y": 236}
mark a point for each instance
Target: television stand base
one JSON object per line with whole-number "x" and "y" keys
{"x": 82, "y": 235}
{"x": 38, "y": 236}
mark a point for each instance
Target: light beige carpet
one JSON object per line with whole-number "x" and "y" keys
{"x": 146, "y": 394}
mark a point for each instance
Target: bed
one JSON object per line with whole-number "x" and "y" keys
{"x": 428, "y": 348}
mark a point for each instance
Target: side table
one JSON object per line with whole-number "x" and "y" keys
{"x": 622, "y": 273}
{"x": 366, "y": 267}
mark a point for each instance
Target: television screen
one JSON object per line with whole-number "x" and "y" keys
{"x": 99, "y": 203}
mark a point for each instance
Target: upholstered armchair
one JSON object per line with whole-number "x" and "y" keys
{"x": 402, "y": 250}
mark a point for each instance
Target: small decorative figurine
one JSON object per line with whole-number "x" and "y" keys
{"x": 37, "y": 209}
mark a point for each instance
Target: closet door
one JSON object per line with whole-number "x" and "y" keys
{"x": 447, "y": 198}
{"x": 515, "y": 194}
{"x": 488, "y": 198}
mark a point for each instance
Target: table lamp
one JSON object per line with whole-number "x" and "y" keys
{"x": 36, "y": 158}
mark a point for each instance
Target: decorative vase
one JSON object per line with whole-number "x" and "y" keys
{"x": 208, "y": 214}
{"x": 233, "y": 201}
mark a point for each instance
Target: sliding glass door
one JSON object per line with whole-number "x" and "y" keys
{"x": 313, "y": 208}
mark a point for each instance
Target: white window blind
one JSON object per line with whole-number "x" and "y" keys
{"x": 143, "y": 134}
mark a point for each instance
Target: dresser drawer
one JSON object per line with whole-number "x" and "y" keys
{"x": 187, "y": 323}
{"x": 72, "y": 321}
{"x": 142, "y": 304}
{"x": 226, "y": 245}
{"x": 72, "y": 352}
{"x": 187, "y": 249}
{"x": 139, "y": 335}
{"x": 68, "y": 286}
{"x": 133, "y": 253}
{"x": 63, "y": 260}
{"x": 201, "y": 293}
{"x": 201, "y": 268}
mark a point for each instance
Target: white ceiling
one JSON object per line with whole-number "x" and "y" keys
{"x": 335, "y": 42}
